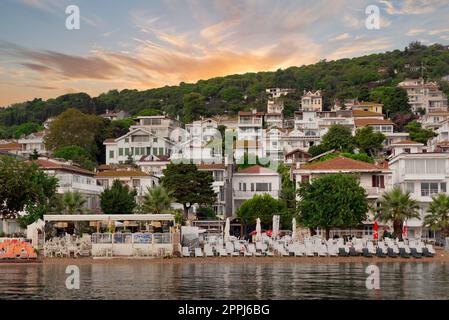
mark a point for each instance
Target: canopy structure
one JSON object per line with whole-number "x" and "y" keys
{"x": 108, "y": 217}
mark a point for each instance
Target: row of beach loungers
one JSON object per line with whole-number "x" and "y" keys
{"x": 14, "y": 249}
{"x": 314, "y": 247}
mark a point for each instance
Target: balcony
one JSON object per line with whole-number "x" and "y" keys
{"x": 374, "y": 192}
{"x": 250, "y": 194}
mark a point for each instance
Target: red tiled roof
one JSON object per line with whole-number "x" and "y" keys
{"x": 110, "y": 140}
{"x": 300, "y": 151}
{"x": 50, "y": 165}
{"x": 365, "y": 122}
{"x": 122, "y": 173}
{"x": 10, "y": 146}
{"x": 340, "y": 163}
{"x": 363, "y": 113}
{"x": 211, "y": 166}
{"x": 256, "y": 170}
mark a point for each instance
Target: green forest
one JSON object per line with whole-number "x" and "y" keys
{"x": 368, "y": 78}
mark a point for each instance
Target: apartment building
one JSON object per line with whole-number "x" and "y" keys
{"x": 32, "y": 142}
{"x": 375, "y": 179}
{"x": 423, "y": 175}
{"x": 72, "y": 178}
{"x": 275, "y": 107}
{"x": 405, "y": 146}
{"x": 255, "y": 180}
{"x": 424, "y": 96}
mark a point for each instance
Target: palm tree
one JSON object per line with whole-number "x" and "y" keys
{"x": 157, "y": 200}
{"x": 438, "y": 219}
{"x": 73, "y": 202}
{"x": 397, "y": 206}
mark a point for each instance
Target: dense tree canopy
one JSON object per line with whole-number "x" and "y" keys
{"x": 338, "y": 138}
{"x": 342, "y": 79}
{"x": 368, "y": 141}
{"x": 260, "y": 206}
{"x": 118, "y": 199}
{"x": 332, "y": 201}
{"x": 418, "y": 134}
{"x": 188, "y": 185}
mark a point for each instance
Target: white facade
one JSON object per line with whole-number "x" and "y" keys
{"x": 135, "y": 144}
{"x": 72, "y": 178}
{"x": 31, "y": 142}
{"x": 253, "y": 181}
{"x": 423, "y": 175}
{"x": 250, "y": 126}
{"x": 426, "y": 96}
{"x": 406, "y": 146}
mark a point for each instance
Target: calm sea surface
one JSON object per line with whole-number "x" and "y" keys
{"x": 226, "y": 281}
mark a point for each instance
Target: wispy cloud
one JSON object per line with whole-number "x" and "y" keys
{"x": 411, "y": 7}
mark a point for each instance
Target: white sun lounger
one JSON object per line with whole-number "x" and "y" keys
{"x": 208, "y": 251}
{"x": 185, "y": 252}
{"x": 253, "y": 251}
{"x": 198, "y": 252}
{"x": 222, "y": 252}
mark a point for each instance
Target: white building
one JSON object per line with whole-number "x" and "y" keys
{"x": 312, "y": 100}
{"x": 375, "y": 179}
{"x": 72, "y": 178}
{"x": 425, "y": 96}
{"x": 31, "y": 142}
{"x": 111, "y": 115}
{"x": 406, "y": 146}
{"x": 135, "y": 179}
{"x": 255, "y": 180}
{"x": 275, "y": 107}
{"x": 220, "y": 176}
{"x": 423, "y": 175}
{"x": 250, "y": 126}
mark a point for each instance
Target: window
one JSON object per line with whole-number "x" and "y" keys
{"x": 406, "y": 150}
{"x": 161, "y": 151}
{"x": 263, "y": 187}
{"x": 429, "y": 189}
{"x": 410, "y": 187}
{"x": 120, "y": 151}
{"x": 155, "y": 140}
{"x": 378, "y": 181}
{"x": 137, "y": 151}
{"x": 148, "y": 151}
{"x": 443, "y": 187}
{"x": 126, "y": 151}
{"x": 154, "y": 151}
{"x": 111, "y": 154}
{"x": 140, "y": 138}
{"x": 126, "y": 140}
{"x": 136, "y": 183}
{"x": 305, "y": 179}
{"x": 428, "y": 166}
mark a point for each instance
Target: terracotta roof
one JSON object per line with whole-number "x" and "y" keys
{"x": 274, "y": 114}
{"x": 256, "y": 170}
{"x": 340, "y": 163}
{"x": 211, "y": 166}
{"x": 50, "y": 165}
{"x": 298, "y": 150}
{"x": 407, "y": 142}
{"x": 438, "y": 113}
{"x": 363, "y": 113}
{"x": 10, "y": 146}
{"x": 110, "y": 140}
{"x": 122, "y": 173}
{"x": 365, "y": 122}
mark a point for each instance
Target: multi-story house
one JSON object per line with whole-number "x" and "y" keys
{"x": 298, "y": 139}
{"x": 250, "y": 126}
{"x": 433, "y": 119}
{"x": 160, "y": 126}
{"x": 153, "y": 165}
{"x": 405, "y": 146}
{"x": 424, "y": 96}
{"x": 365, "y": 106}
{"x": 111, "y": 115}
{"x": 375, "y": 179}
{"x": 252, "y": 181}
{"x": 441, "y": 142}
{"x": 423, "y": 175}
{"x": 326, "y": 119}
{"x": 204, "y": 129}
{"x": 222, "y": 175}
{"x": 133, "y": 178}
{"x": 378, "y": 125}
{"x": 312, "y": 100}
{"x": 10, "y": 147}
{"x": 275, "y": 107}
{"x": 32, "y": 142}
{"x": 73, "y": 178}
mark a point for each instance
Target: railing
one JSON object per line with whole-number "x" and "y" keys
{"x": 132, "y": 238}
{"x": 250, "y": 194}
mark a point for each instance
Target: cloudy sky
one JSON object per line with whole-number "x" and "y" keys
{"x": 145, "y": 44}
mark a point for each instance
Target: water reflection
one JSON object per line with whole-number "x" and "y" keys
{"x": 226, "y": 281}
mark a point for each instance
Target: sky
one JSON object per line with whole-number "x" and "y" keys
{"x": 142, "y": 44}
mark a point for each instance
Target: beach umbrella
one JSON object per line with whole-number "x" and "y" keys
{"x": 404, "y": 230}
{"x": 375, "y": 229}
{"x": 226, "y": 231}
{"x": 294, "y": 229}
{"x": 275, "y": 226}
{"x": 258, "y": 230}
{"x": 269, "y": 233}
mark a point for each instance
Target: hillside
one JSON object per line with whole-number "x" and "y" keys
{"x": 345, "y": 78}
